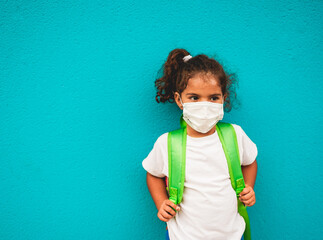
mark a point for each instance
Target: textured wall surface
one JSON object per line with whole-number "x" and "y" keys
{"x": 78, "y": 115}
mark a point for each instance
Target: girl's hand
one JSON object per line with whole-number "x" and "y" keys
{"x": 247, "y": 196}
{"x": 166, "y": 212}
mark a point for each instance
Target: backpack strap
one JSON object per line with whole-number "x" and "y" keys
{"x": 176, "y": 164}
{"x": 229, "y": 143}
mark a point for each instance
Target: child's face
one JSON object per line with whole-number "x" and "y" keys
{"x": 201, "y": 88}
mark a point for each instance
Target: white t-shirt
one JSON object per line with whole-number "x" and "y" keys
{"x": 209, "y": 206}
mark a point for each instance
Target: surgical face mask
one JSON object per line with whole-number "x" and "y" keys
{"x": 202, "y": 116}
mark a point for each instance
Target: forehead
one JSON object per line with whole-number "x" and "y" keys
{"x": 206, "y": 83}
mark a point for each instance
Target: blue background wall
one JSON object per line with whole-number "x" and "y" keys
{"x": 78, "y": 115}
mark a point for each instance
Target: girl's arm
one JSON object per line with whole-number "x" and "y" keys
{"x": 249, "y": 173}
{"x": 247, "y": 196}
{"x": 157, "y": 189}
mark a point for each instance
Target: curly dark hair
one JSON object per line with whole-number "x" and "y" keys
{"x": 176, "y": 74}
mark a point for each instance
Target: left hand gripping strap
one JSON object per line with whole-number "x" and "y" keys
{"x": 229, "y": 143}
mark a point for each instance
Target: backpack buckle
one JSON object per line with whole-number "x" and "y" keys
{"x": 173, "y": 194}
{"x": 240, "y": 185}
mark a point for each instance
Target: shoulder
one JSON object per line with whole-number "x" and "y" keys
{"x": 237, "y": 128}
{"x": 248, "y": 149}
{"x": 241, "y": 134}
{"x": 156, "y": 161}
{"x": 162, "y": 140}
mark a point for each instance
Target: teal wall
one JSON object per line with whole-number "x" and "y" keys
{"x": 78, "y": 115}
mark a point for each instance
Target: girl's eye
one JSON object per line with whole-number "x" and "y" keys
{"x": 194, "y": 98}
{"x": 214, "y": 98}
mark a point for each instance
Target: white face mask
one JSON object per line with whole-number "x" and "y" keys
{"x": 202, "y": 116}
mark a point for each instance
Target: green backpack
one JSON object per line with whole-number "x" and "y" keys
{"x": 176, "y": 165}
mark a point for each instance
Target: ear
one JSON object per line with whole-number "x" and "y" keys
{"x": 178, "y": 102}
{"x": 225, "y": 97}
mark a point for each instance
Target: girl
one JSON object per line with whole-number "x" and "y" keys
{"x": 201, "y": 88}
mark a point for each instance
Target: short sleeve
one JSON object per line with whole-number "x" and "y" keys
{"x": 247, "y": 148}
{"x": 156, "y": 163}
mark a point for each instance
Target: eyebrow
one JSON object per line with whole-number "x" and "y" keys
{"x": 215, "y": 94}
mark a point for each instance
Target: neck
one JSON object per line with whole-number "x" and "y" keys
{"x": 192, "y": 133}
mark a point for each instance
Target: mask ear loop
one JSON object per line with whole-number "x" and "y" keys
{"x": 180, "y": 99}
